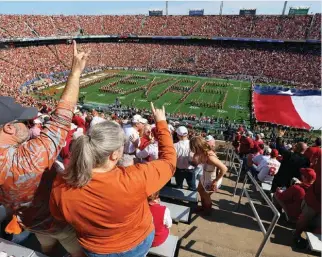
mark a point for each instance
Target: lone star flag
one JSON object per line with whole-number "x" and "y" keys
{"x": 290, "y": 107}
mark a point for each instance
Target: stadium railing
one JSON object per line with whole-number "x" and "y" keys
{"x": 235, "y": 165}
{"x": 266, "y": 233}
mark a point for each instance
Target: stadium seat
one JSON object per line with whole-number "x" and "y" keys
{"x": 179, "y": 213}
{"x": 167, "y": 249}
{"x": 266, "y": 186}
{"x": 314, "y": 241}
{"x": 15, "y": 250}
{"x": 179, "y": 194}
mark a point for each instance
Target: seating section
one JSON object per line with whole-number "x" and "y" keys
{"x": 20, "y": 66}
{"x": 167, "y": 249}
{"x": 259, "y": 26}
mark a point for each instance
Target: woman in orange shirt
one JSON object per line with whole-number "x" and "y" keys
{"x": 106, "y": 204}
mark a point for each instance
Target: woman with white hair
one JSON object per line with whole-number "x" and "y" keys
{"x": 106, "y": 204}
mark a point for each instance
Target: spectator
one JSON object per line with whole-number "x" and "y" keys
{"x": 237, "y": 139}
{"x": 291, "y": 164}
{"x": 184, "y": 170}
{"x": 310, "y": 218}
{"x": 90, "y": 178}
{"x": 267, "y": 169}
{"x": 147, "y": 137}
{"x": 96, "y": 118}
{"x": 149, "y": 151}
{"x": 27, "y": 196}
{"x": 213, "y": 171}
{"x": 254, "y": 152}
{"x": 265, "y": 156}
{"x": 246, "y": 144}
{"x": 161, "y": 218}
{"x": 79, "y": 121}
{"x": 211, "y": 142}
{"x": 258, "y": 140}
{"x": 132, "y": 133}
{"x": 313, "y": 152}
{"x": 36, "y": 128}
{"x": 291, "y": 198}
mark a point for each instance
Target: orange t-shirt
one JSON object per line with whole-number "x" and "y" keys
{"x": 111, "y": 213}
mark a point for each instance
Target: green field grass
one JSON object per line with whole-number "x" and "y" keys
{"x": 238, "y": 95}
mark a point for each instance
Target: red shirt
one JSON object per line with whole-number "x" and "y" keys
{"x": 292, "y": 199}
{"x": 161, "y": 231}
{"x": 246, "y": 144}
{"x": 144, "y": 142}
{"x": 312, "y": 153}
{"x": 313, "y": 195}
{"x": 65, "y": 151}
{"x": 79, "y": 122}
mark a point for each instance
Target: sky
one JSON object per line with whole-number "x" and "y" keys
{"x": 140, "y": 7}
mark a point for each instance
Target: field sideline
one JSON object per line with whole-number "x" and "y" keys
{"x": 236, "y": 106}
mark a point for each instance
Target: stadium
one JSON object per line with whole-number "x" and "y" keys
{"x": 245, "y": 85}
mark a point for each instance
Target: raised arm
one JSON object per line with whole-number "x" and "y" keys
{"x": 43, "y": 150}
{"x": 157, "y": 173}
{"x": 279, "y": 145}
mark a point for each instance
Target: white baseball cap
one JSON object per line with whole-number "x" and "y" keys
{"x": 267, "y": 150}
{"x": 182, "y": 131}
{"x": 138, "y": 119}
{"x": 209, "y": 138}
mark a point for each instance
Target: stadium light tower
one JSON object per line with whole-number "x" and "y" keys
{"x": 166, "y": 8}
{"x": 221, "y": 7}
{"x": 284, "y": 8}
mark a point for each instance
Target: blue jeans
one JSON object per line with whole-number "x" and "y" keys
{"x": 140, "y": 250}
{"x": 188, "y": 175}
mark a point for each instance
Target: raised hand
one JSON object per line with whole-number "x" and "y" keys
{"x": 159, "y": 114}
{"x": 79, "y": 60}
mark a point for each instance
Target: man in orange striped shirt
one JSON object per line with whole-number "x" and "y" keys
{"x": 25, "y": 166}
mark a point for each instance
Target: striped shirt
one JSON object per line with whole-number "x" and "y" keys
{"x": 25, "y": 178}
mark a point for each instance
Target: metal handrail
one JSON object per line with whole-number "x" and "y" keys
{"x": 277, "y": 215}
{"x": 230, "y": 157}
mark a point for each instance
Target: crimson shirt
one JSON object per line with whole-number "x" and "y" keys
{"x": 79, "y": 122}
{"x": 246, "y": 144}
{"x": 313, "y": 195}
{"x": 292, "y": 198}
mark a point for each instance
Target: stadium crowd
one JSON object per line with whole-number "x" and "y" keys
{"x": 293, "y": 173}
{"x": 64, "y": 188}
{"x": 296, "y": 68}
{"x": 297, "y": 27}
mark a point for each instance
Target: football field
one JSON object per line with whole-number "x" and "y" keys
{"x": 168, "y": 90}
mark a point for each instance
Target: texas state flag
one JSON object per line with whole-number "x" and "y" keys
{"x": 290, "y": 107}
